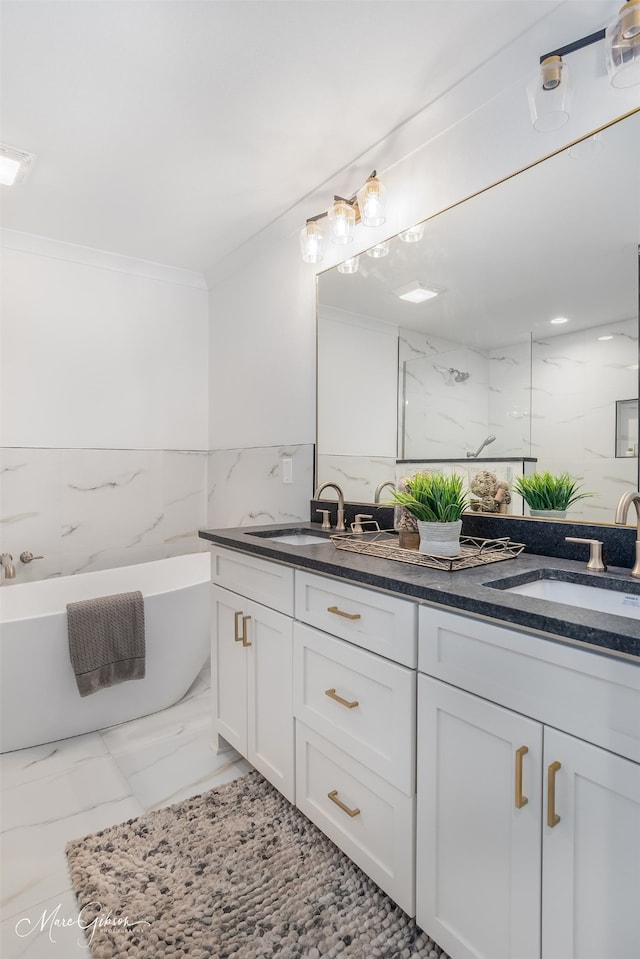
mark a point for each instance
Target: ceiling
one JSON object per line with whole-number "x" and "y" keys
{"x": 559, "y": 239}
{"x": 176, "y": 131}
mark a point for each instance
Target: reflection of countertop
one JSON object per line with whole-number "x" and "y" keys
{"x": 462, "y": 590}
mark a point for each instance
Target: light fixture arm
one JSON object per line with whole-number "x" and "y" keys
{"x": 576, "y": 45}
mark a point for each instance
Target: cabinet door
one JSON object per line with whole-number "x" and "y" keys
{"x": 270, "y": 744}
{"x": 478, "y": 840}
{"x": 591, "y": 856}
{"x": 229, "y": 667}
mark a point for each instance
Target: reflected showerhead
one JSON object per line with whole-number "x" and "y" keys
{"x": 485, "y": 442}
{"x": 454, "y": 376}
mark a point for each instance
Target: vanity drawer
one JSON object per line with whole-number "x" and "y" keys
{"x": 380, "y": 623}
{"x": 380, "y": 836}
{"x": 593, "y": 696}
{"x": 359, "y": 701}
{"x": 268, "y": 583}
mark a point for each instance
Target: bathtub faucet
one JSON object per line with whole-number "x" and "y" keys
{"x": 7, "y": 565}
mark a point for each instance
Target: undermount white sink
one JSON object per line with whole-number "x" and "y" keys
{"x": 298, "y": 539}
{"x": 620, "y": 603}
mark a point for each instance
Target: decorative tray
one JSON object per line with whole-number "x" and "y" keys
{"x": 384, "y": 544}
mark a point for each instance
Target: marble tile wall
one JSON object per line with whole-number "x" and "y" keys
{"x": 357, "y": 476}
{"x": 246, "y": 487}
{"x": 85, "y": 510}
{"x": 576, "y": 380}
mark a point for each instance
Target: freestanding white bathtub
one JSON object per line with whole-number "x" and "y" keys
{"x": 39, "y": 701}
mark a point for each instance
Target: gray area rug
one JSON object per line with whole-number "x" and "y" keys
{"x": 237, "y": 871}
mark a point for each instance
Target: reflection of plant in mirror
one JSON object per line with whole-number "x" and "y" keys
{"x": 433, "y": 497}
{"x": 546, "y": 491}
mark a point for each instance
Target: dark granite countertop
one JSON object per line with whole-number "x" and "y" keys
{"x": 465, "y": 590}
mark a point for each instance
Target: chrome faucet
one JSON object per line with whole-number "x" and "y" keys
{"x": 340, "y": 527}
{"x": 380, "y": 487}
{"x": 7, "y": 565}
{"x": 622, "y": 510}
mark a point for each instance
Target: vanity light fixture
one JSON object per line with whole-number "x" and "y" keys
{"x": 380, "y": 249}
{"x": 413, "y": 235}
{"x": 14, "y": 165}
{"x": 350, "y": 265}
{"x": 549, "y": 93}
{"x": 366, "y": 207}
{"x": 312, "y": 238}
{"x": 416, "y": 292}
{"x": 342, "y": 219}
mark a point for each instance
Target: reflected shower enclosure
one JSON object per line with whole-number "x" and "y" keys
{"x": 450, "y": 401}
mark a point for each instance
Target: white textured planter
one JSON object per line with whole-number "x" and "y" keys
{"x": 440, "y": 539}
{"x": 549, "y": 513}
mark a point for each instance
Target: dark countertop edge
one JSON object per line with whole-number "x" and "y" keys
{"x": 604, "y": 633}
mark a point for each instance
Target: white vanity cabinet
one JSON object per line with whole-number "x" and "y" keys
{"x": 528, "y": 837}
{"x": 251, "y": 654}
{"x": 355, "y": 725}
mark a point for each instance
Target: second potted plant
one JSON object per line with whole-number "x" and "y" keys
{"x": 548, "y": 495}
{"x": 437, "y": 502}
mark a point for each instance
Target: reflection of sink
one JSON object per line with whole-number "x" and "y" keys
{"x": 621, "y": 599}
{"x": 292, "y": 537}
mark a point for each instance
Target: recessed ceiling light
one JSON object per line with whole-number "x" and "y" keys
{"x": 603, "y": 338}
{"x": 558, "y": 320}
{"x": 416, "y": 292}
{"x": 14, "y": 165}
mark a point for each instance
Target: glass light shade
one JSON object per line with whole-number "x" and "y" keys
{"x": 549, "y": 106}
{"x": 371, "y": 203}
{"x": 413, "y": 235}
{"x": 381, "y": 249}
{"x": 342, "y": 219}
{"x": 622, "y": 46}
{"x": 312, "y": 238}
{"x": 350, "y": 265}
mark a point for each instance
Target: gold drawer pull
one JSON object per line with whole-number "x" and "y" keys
{"x": 333, "y": 796}
{"x": 237, "y": 617}
{"x": 520, "y": 799}
{"x": 332, "y": 694}
{"x": 339, "y": 612}
{"x": 552, "y": 817}
{"x": 244, "y": 639}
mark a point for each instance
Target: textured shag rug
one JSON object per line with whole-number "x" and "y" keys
{"x": 236, "y": 872}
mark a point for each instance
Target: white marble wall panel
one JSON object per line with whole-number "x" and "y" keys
{"x": 245, "y": 486}
{"x": 510, "y": 399}
{"x": 357, "y": 476}
{"x": 95, "y": 509}
{"x": 445, "y": 414}
{"x": 577, "y": 379}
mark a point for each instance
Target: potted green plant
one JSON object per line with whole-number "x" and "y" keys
{"x": 549, "y": 495}
{"x": 437, "y": 501}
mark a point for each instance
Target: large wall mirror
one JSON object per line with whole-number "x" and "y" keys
{"x": 405, "y": 385}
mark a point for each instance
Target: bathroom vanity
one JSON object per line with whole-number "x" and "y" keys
{"x": 476, "y": 751}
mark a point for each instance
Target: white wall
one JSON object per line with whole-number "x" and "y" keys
{"x": 104, "y": 414}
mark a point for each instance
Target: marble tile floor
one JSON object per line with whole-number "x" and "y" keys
{"x": 67, "y": 789}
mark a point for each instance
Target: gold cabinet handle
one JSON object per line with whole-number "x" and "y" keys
{"x": 332, "y": 694}
{"x": 552, "y": 817}
{"x": 245, "y": 641}
{"x": 521, "y": 800}
{"x": 333, "y": 796}
{"x": 339, "y": 612}
{"x": 236, "y": 625}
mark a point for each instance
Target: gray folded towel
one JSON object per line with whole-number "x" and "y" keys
{"x": 106, "y": 640}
